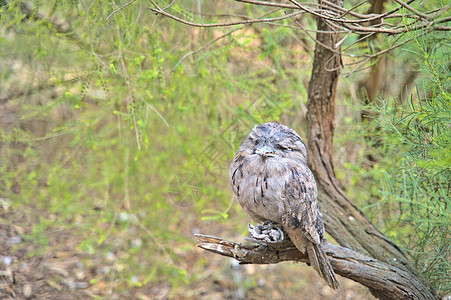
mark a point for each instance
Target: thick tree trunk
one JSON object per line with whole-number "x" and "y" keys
{"x": 344, "y": 221}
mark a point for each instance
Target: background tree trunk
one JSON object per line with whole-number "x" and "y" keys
{"x": 371, "y": 86}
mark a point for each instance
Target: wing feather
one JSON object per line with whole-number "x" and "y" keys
{"x": 301, "y": 205}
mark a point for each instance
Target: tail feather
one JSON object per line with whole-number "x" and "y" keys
{"x": 321, "y": 264}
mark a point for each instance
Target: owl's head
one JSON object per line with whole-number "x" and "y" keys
{"x": 274, "y": 140}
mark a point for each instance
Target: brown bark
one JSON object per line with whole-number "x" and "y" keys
{"x": 344, "y": 221}
{"x": 384, "y": 280}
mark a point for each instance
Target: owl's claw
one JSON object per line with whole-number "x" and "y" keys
{"x": 269, "y": 232}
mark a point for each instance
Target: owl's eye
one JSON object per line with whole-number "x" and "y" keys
{"x": 283, "y": 147}
{"x": 257, "y": 141}
{"x": 254, "y": 141}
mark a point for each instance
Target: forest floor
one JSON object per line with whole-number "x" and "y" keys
{"x": 61, "y": 272}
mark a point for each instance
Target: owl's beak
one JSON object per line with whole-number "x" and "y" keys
{"x": 266, "y": 151}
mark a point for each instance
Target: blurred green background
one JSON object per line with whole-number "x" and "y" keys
{"x": 115, "y": 152}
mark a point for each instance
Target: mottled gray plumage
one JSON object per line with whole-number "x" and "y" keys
{"x": 271, "y": 181}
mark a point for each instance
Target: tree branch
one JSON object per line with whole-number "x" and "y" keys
{"x": 384, "y": 280}
{"x": 245, "y": 22}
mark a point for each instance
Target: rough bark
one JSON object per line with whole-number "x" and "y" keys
{"x": 384, "y": 280}
{"x": 344, "y": 221}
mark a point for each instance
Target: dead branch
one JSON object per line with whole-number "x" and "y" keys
{"x": 225, "y": 24}
{"x": 120, "y": 8}
{"x": 205, "y": 46}
{"x": 384, "y": 281}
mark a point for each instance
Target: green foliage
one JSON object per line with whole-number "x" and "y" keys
{"x": 400, "y": 171}
{"x": 110, "y": 146}
{"x": 416, "y": 168}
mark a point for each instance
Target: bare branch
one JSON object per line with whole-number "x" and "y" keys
{"x": 384, "y": 281}
{"x": 310, "y": 36}
{"x": 407, "y": 6}
{"x": 215, "y": 40}
{"x": 265, "y": 3}
{"x": 205, "y": 46}
{"x": 120, "y": 8}
{"x": 264, "y": 20}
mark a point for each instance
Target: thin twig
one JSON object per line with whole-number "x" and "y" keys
{"x": 183, "y": 21}
{"x": 407, "y": 6}
{"x": 315, "y": 40}
{"x": 369, "y": 57}
{"x": 264, "y": 3}
{"x": 120, "y": 8}
{"x": 217, "y": 39}
{"x": 156, "y": 16}
{"x": 205, "y": 46}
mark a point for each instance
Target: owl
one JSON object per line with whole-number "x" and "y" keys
{"x": 272, "y": 182}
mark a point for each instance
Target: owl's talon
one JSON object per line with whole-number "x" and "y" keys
{"x": 269, "y": 232}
